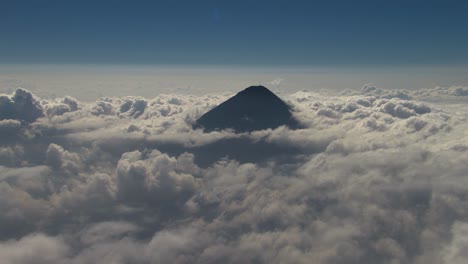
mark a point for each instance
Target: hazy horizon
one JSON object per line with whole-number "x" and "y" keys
{"x": 89, "y": 82}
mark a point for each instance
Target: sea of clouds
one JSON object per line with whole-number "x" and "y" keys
{"x": 380, "y": 176}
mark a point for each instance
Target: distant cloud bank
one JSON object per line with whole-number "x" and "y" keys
{"x": 381, "y": 177}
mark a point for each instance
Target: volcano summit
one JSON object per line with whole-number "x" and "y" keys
{"x": 255, "y": 108}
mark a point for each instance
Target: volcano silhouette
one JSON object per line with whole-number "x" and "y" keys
{"x": 254, "y": 108}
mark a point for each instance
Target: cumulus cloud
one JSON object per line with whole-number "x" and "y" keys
{"x": 21, "y": 105}
{"x": 61, "y": 106}
{"x": 376, "y": 176}
{"x": 382, "y": 93}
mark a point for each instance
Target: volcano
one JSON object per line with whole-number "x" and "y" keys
{"x": 255, "y": 108}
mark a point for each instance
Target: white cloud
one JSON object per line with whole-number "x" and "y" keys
{"x": 376, "y": 177}
{"x": 21, "y": 105}
{"x": 277, "y": 81}
{"x": 456, "y": 251}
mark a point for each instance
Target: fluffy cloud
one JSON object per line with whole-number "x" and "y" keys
{"x": 21, "y": 105}
{"x": 61, "y": 106}
{"x": 377, "y": 176}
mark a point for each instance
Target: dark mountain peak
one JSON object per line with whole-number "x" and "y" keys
{"x": 256, "y": 90}
{"x": 254, "y": 108}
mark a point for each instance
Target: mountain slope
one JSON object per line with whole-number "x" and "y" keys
{"x": 254, "y": 108}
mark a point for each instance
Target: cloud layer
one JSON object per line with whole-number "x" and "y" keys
{"x": 377, "y": 176}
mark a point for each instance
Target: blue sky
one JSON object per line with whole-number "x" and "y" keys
{"x": 275, "y": 32}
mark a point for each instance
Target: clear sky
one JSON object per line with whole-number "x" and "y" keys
{"x": 274, "y": 32}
